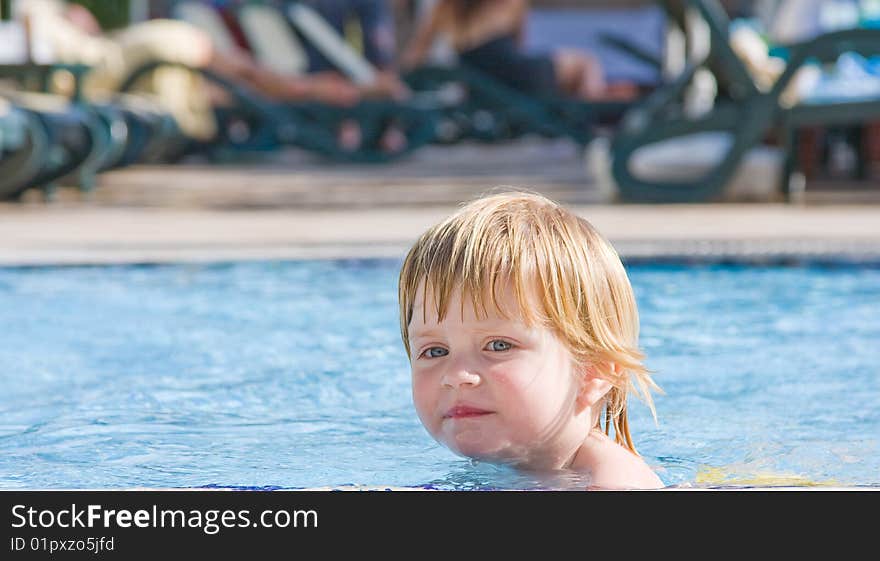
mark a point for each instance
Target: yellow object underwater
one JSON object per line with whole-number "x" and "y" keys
{"x": 716, "y": 476}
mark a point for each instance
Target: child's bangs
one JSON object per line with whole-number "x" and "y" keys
{"x": 482, "y": 265}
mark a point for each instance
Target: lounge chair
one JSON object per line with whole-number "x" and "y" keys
{"x": 308, "y": 125}
{"x": 146, "y": 132}
{"x": 72, "y": 121}
{"x": 327, "y": 41}
{"x": 24, "y": 145}
{"x": 113, "y": 132}
{"x": 252, "y": 123}
{"x": 489, "y": 110}
{"x": 58, "y": 140}
{"x": 271, "y": 41}
{"x": 271, "y": 37}
{"x": 732, "y": 133}
{"x": 456, "y": 117}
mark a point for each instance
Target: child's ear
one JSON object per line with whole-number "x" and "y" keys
{"x": 593, "y": 388}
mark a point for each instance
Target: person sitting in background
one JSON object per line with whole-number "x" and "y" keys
{"x": 73, "y": 35}
{"x": 488, "y": 35}
{"x": 375, "y": 26}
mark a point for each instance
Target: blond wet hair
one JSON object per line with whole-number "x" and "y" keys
{"x": 584, "y": 294}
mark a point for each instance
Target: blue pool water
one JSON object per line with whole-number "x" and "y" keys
{"x": 292, "y": 375}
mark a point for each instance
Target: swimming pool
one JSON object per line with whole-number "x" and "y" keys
{"x": 292, "y": 375}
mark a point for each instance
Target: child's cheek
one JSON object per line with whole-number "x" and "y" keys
{"x": 424, "y": 400}
{"x": 512, "y": 385}
{"x": 508, "y": 375}
{"x": 506, "y": 381}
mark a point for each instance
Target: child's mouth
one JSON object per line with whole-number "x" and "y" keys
{"x": 464, "y": 411}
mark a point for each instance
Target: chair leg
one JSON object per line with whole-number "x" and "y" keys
{"x": 790, "y": 158}
{"x": 50, "y": 192}
{"x": 857, "y": 137}
{"x": 86, "y": 181}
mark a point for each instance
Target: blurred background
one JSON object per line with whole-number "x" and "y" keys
{"x": 669, "y": 101}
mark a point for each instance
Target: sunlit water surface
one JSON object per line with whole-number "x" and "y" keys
{"x": 292, "y": 375}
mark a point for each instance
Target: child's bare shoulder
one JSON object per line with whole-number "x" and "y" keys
{"x": 614, "y": 467}
{"x": 625, "y": 471}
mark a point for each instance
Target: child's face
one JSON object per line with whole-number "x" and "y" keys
{"x": 492, "y": 388}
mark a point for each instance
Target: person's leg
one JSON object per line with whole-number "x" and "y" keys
{"x": 579, "y": 74}
{"x": 349, "y": 135}
{"x": 393, "y": 139}
{"x": 328, "y": 87}
{"x": 325, "y": 87}
{"x": 181, "y": 42}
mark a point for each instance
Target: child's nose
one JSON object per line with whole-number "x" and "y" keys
{"x": 460, "y": 375}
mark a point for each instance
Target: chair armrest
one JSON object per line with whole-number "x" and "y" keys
{"x": 825, "y": 49}
{"x": 628, "y": 47}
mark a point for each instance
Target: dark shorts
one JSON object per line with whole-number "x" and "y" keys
{"x": 527, "y": 73}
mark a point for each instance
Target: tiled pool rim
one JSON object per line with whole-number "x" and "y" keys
{"x": 94, "y": 235}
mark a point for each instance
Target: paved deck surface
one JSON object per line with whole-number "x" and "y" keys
{"x": 292, "y": 206}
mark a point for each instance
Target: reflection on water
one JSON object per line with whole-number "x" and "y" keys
{"x": 471, "y": 475}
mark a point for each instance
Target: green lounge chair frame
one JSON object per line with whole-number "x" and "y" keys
{"x": 145, "y": 133}
{"x": 121, "y": 131}
{"x": 100, "y": 123}
{"x": 749, "y": 116}
{"x": 57, "y": 143}
{"x": 24, "y": 152}
{"x": 490, "y": 111}
{"x": 416, "y": 120}
{"x": 311, "y": 126}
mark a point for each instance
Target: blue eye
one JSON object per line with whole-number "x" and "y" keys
{"x": 499, "y": 345}
{"x": 435, "y": 352}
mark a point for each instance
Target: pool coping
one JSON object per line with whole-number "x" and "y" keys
{"x": 41, "y": 235}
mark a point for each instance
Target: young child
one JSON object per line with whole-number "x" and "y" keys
{"x": 522, "y": 333}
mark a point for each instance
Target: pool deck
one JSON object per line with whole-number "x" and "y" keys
{"x": 291, "y": 207}
{"x": 82, "y": 235}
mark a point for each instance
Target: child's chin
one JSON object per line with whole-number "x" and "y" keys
{"x": 477, "y": 443}
{"x": 477, "y": 455}
{"x": 482, "y": 451}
